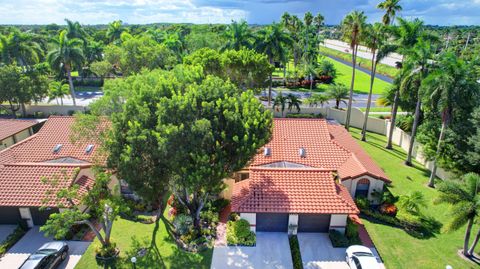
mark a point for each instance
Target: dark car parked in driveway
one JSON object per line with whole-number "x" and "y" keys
{"x": 48, "y": 256}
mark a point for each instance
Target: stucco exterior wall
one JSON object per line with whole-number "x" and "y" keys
{"x": 375, "y": 185}
{"x": 7, "y": 142}
{"x": 228, "y": 191}
{"x": 251, "y": 218}
{"x": 338, "y": 222}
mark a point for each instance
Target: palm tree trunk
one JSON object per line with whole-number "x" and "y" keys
{"x": 270, "y": 90}
{"x": 392, "y": 120}
{"x": 474, "y": 244}
{"x": 70, "y": 82}
{"x": 61, "y": 100}
{"x": 431, "y": 181}
{"x": 352, "y": 84}
{"x": 285, "y": 74}
{"x": 372, "y": 80}
{"x": 24, "y": 110}
{"x": 416, "y": 121}
{"x": 467, "y": 237}
{"x": 56, "y": 99}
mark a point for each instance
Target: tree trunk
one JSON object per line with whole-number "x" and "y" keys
{"x": 56, "y": 99}
{"x": 285, "y": 74}
{"x": 416, "y": 121}
{"x": 392, "y": 120}
{"x": 24, "y": 110}
{"x": 474, "y": 244}
{"x": 467, "y": 237}
{"x": 431, "y": 181}
{"x": 352, "y": 84}
{"x": 372, "y": 80}
{"x": 94, "y": 230}
{"x": 70, "y": 82}
{"x": 12, "y": 109}
{"x": 270, "y": 91}
{"x": 61, "y": 100}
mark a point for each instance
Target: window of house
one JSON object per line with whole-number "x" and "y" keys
{"x": 240, "y": 176}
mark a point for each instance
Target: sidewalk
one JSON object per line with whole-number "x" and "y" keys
{"x": 221, "y": 239}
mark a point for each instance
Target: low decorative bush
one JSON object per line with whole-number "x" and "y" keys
{"x": 362, "y": 203}
{"x": 209, "y": 216}
{"x": 220, "y": 204}
{"x": 295, "y": 250}
{"x": 388, "y": 209}
{"x": 351, "y": 231}
{"x": 182, "y": 224}
{"x": 12, "y": 239}
{"x": 304, "y": 116}
{"x": 106, "y": 251}
{"x": 338, "y": 239}
{"x": 239, "y": 234}
{"x": 234, "y": 216}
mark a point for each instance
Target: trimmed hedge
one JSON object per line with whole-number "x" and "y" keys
{"x": 12, "y": 239}
{"x": 338, "y": 239}
{"x": 304, "y": 116}
{"x": 295, "y": 250}
{"x": 239, "y": 234}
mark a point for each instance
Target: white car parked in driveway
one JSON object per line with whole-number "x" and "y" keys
{"x": 360, "y": 257}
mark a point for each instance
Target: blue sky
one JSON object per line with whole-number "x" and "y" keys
{"x": 442, "y": 12}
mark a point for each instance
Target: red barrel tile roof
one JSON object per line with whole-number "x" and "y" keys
{"x": 39, "y": 147}
{"x": 9, "y": 127}
{"x": 277, "y": 190}
{"x": 21, "y": 184}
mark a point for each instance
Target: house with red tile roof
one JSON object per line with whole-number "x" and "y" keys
{"x": 13, "y": 131}
{"x": 305, "y": 179}
{"x": 49, "y": 154}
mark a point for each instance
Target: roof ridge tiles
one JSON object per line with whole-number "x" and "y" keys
{"x": 48, "y": 164}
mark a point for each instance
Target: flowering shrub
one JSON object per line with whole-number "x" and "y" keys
{"x": 388, "y": 209}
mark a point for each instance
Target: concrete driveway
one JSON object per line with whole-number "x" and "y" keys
{"x": 318, "y": 253}
{"x": 272, "y": 251}
{"x": 5, "y": 231}
{"x": 34, "y": 239}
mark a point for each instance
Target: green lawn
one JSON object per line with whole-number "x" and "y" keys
{"x": 163, "y": 252}
{"x": 381, "y": 68}
{"x": 362, "y": 80}
{"x": 397, "y": 248}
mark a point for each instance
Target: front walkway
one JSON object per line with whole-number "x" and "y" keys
{"x": 271, "y": 252}
{"x": 221, "y": 239}
{"x": 317, "y": 252}
{"x": 34, "y": 239}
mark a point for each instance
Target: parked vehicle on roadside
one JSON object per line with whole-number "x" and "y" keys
{"x": 360, "y": 257}
{"x": 48, "y": 256}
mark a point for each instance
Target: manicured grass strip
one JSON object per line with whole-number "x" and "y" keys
{"x": 383, "y": 69}
{"x": 163, "y": 252}
{"x": 11, "y": 239}
{"x": 397, "y": 248}
{"x": 362, "y": 79}
{"x": 295, "y": 250}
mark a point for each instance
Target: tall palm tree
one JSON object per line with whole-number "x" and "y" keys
{"x": 416, "y": 69}
{"x": 376, "y": 41}
{"x": 406, "y": 35}
{"x": 294, "y": 27}
{"x": 114, "y": 31}
{"x": 66, "y": 53}
{"x": 391, "y": 8}
{"x": 449, "y": 85}
{"x": 273, "y": 41}
{"x": 20, "y": 47}
{"x": 238, "y": 36}
{"x": 339, "y": 93}
{"x": 353, "y": 26}
{"x": 75, "y": 30}
{"x": 465, "y": 201}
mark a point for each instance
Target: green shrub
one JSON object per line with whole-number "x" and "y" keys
{"x": 405, "y": 122}
{"x": 238, "y": 233}
{"x": 234, "y": 216}
{"x": 105, "y": 251}
{"x": 12, "y": 239}
{"x": 362, "y": 203}
{"x": 307, "y": 116}
{"x": 295, "y": 250}
{"x": 338, "y": 239}
{"x": 220, "y": 204}
{"x": 351, "y": 231}
{"x": 182, "y": 223}
{"x": 209, "y": 216}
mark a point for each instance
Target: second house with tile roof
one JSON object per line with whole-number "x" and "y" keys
{"x": 50, "y": 153}
{"x": 305, "y": 179}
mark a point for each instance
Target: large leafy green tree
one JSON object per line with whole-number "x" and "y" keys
{"x": 465, "y": 200}
{"x": 353, "y": 27}
{"x": 274, "y": 42}
{"x": 391, "y": 7}
{"x": 217, "y": 130}
{"x": 208, "y": 59}
{"x": 66, "y": 54}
